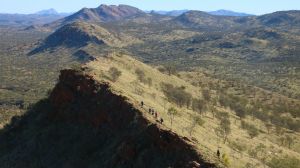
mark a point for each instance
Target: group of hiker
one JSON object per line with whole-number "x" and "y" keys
{"x": 153, "y": 113}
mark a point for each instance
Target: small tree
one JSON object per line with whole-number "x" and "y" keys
{"x": 140, "y": 75}
{"x": 282, "y": 140}
{"x": 213, "y": 110}
{"x": 289, "y": 140}
{"x": 240, "y": 112}
{"x": 251, "y": 129}
{"x": 176, "y": 94}
{"x": 268, "y": 126}
{"x": 253, "y": 132}
{"x": 149, "y": 81}
{"x": 171, "y": 68}
{"x": 114, "y": 74}
{"x": 172, "y": 112}
{"x": 279, "y": 130}
{"x": 196, "y": 120}
{"x": 206, "y": 94}
{"x": 224, "y": 128}
{"x": 199, "y": 105}
{"x": 137, "y": 87}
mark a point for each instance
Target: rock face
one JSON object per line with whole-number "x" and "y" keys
{"x": 79, "y": 98}
{"x": 84, "y": 123}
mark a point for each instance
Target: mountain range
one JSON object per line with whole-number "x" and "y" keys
{"x": 220, "y": 12}
{"x": 40, "y": 17}
{"x": 50, "y": 15}
{"x": 115, "y": 86}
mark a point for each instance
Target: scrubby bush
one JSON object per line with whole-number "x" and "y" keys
{"x": 141, "y": 75}
{"x": 199, "y": 105}
{"x": 196, "y": 120}
{"x": 237, "y": 146}
{"x": 225, "y": 160}
{"x": 176, "y": 94}
{"x": 206, "y": 94}
{"x": 172, "y": 112}
{"x": 114, "y": 74}
{"x": 223, "y": 130}
{"x": 149, "y": 81}
{"x": 170, "y": 68}
{"x": 251, "y": 129}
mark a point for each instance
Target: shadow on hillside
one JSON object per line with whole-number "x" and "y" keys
{"x": 35, "y": 140}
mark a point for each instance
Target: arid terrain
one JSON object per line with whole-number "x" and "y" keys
{"x": 115, "y": 86}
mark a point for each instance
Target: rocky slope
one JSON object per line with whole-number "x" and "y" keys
{"x": 104, "y": 13}
{"x": 84, "y": 123}
{"x": 80, "y": 34}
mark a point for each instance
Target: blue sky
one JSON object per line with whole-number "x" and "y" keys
{"x": 248, "y": 6}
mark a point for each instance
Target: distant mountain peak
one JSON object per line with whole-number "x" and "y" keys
{"x": 47, "y": 12}
{"x": 116, "y": 12}
{"x": 169, "y": 13}
{"x": 223, "y": 12}
{"x": 103, "y": 13}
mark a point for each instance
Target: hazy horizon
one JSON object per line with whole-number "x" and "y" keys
{"x": 67, "y": 6}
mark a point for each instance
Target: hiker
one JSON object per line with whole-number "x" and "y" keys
{"x": 218, "y": 153}
{"x": 155, "y": 114}
{"x": 150, "y": 110}
{"x": 142, "y": 103}
{"x": 161, "y": 120}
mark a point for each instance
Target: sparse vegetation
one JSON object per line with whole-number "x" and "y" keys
{"x": 176, "y": 94}
{"x": 141, "y": 75}
{"x": 199, "y": 105}
{"x": 249, "y": 76}
{"x": 196, "y": 121}
{"x": 286, "y": 162}
{"x": 170, "y": 68}
{"x": 225, "y": 160}
{"x": 114, "y": 74}
{"x": 172, "y": 112}
{"x": 251, "y": 129}
{"x": 223, "y": 130}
